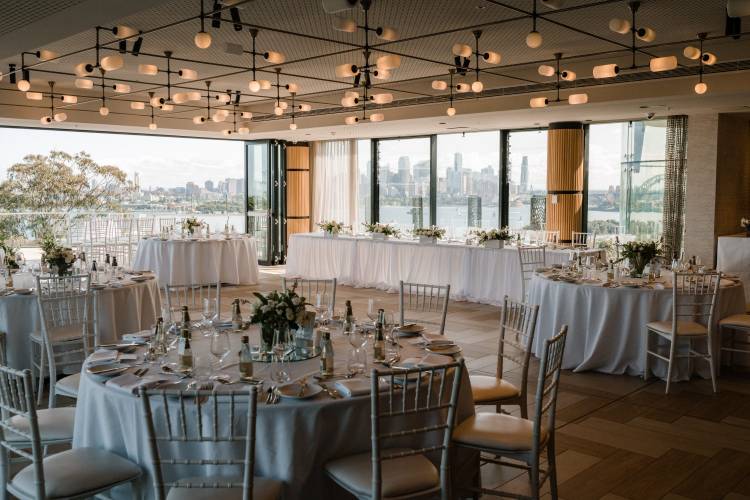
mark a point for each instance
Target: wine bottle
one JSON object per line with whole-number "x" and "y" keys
{"x": 246, "y": 359}
{"x": 185, "y": 319}
{"x": 184, "y": 351}
{"x": 378, "y": 346}
{"x": 326, "y": 354}
{"x": 348, "y": 319}
{"x": 236, "y": 315}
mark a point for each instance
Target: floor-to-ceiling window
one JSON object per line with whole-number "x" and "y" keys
{"x": 468, "y": 181}
{"x": 404, "y": 182}
{"x": 626, "y": 178}
{"x": 527, "y": 179}
{"x": 364, "y": 183}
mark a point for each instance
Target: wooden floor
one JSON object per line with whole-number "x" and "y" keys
{"x": 617, "y": 437}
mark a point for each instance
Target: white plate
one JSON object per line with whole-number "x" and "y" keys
{"x": 291, "y": 391}
{"x": 413, "y": 329}
{"x": 108, "y": 369}
{"x": 138, "y": 279}
{"x": 447, "y": 350}
{"x": 22, "y": 291}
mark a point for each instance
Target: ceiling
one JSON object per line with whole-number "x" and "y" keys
{"x": 304, "y": 33}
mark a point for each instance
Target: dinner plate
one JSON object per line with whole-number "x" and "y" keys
{"x": 292, "y": 391}
{"x": 22, "y": 291}
{"x": 448, "y": 349}
{"x": 138, "y": 279}
{"x": 412, "y": 329}
{"x": 108, "y": 369}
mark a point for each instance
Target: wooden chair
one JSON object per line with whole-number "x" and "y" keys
{"x": 393, "y": 469}
{"x": 732, "y": 326}
{"x": 423, "y": 299}
{"x": 178, "y": 422}
{"x": 191, "y": 296}
{"x": 521, "y": 440}
{"x": 530, "y": 258}
{"x": 583, "y": 240}
{"x": 517, "y": 326}
{"x": 693, "y": 306}
{"x": 310, "y": 289}
{"x": 74, "y": 473}
{"x": 64, "y": 304}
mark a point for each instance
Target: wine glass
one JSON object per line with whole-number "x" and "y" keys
{"x": 208, "y": 313}
{"x": 357, "y": 362}
{"x": 278, "y": 370}
{"x": 220, "y": 346}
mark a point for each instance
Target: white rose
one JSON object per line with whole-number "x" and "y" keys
{"x": 295, "y": 301}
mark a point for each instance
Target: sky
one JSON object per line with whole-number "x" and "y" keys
{"x": 160, "y": 161}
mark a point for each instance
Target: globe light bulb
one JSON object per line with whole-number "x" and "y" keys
{"x": 202, "y": 40}
{"x": 278, "y": 110}
{"x": 152, "y": 126}
{"x": 243, "y": 130}
{"x": 104, "y": 111}
{"x": 24, "y": 85}
{"x": 60, "y": 117}
{"x": 701, "y": 88}
{"x": 254, "y": 86}
{"x": 292, "y": 126}
{"x": 534, "y": 39}
{"x": 351, "y": 120}
{"x": 198, "y": 120}
{"x": 45, "y": 120}
{"x": 450, "y": 111}
{"x": 477, "y": 87}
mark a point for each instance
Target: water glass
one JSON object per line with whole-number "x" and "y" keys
{"x": 208, "y": 312}
{"x": 279, "y": 372}
{"x": 220, "y": 346}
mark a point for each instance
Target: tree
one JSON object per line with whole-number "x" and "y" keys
{"x": 61, "y": 184}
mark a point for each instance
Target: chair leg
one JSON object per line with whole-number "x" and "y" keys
{"x": 646, "y": 355}
{"x": 670, "y": 365}
{"x": 42, "y": 357}
{"x": 524, "y": 405}
{"x": 552, "y": 465}
{"x": 4, "y": 472}
{"x": 711, "y": 366}
{"x": 534, "y": 478}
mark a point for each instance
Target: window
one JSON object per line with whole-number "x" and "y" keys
{"x": 527, "y": 179}
{"x": 364, "y": 183}
{"x": 404, "y": 182}
{"x": 468, "y": 182}
{"x": 626, "y": 178}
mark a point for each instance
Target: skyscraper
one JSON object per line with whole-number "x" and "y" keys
{"x": 524, "y": 174}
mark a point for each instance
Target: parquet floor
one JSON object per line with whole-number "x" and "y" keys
{"x": 617, "y": 437}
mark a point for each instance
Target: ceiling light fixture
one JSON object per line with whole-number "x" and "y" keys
{"x": 58, "y": 117}
{"x": 137, "y": 105}
{"x": 534, "y": 38}
{"x": 152, "y": 125}
{"x": 148, "y": 69}
{"x": 573, "y": 99}
{"x": 103, "y": 110}
{"x": 293, "y": 125}
{"x": 202, "y": 38}
{"x": 642, "y": 33}
{"x": 701, "y": 87}
{"x": 69, "y": 99}
{"x": 462, "y": 61}
{"x": 34, "y": 96}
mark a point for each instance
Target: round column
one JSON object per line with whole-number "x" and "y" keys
{"x": 565, "y": 152}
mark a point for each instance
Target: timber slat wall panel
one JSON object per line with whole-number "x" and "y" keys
{"x": 565, "y": 151}
{"x": 298, "y": 201}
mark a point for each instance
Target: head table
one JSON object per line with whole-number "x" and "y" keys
{"x": 476, "y": 274}
{"x": 295, "y": 438}
{"x": 232, "y": 260}
{"x": 123, "y": 306}
{"x": 607, "y": 326}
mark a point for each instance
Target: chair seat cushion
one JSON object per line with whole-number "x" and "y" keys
{"x": 739, "y": 320}
{"x": 55, "y": 424}
{"x": 263, "y": 489}
{"x": 687, "y": 328}
{"x": 401, "y": 476}
{"x": 495, "y": 431}
{"x": 488, "y": 389}
{"x": 76, "y": 472}
{"x": 61, "y": 334}
{"x": 68, "y": 386}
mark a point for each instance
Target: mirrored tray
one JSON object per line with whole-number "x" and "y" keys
{"x": 292, "y": 355}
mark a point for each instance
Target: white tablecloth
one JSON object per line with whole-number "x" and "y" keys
{"x": 199, "y": 262}
{"x": 733, "y": 257}
{"x": 606, "y": 326}
{"x": 475, "y": 274}
{"x": 128, "y": 309}
{"x": 294, "y": 438}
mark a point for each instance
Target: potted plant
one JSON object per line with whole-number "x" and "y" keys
{"x": 331, "y": 228}
{"x": 745, "y": 223}
{"x": 638, "y": 254}
{"x": 191, "y": 224}
{"x": 493, "y": 238}
{"x": 380, "y": 231}
{"x": 429, "y": 235}
{"x": 277, "y": 312}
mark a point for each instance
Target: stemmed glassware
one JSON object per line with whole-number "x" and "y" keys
{"x": 208, "y": 313}
{"x": 323, "y": 312}
{"x": 220, "y": 346}
{"x": 357, "y": 362}
{"x": 279, "y": 373}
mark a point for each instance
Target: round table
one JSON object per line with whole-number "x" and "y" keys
{"x": 295, "y": 438}
{"x": 127, "y": 307}
{"x": 199, "y": 261}
{"x": 607, "y": 326}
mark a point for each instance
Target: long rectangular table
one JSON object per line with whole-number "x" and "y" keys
{"x": 476, "y": 274}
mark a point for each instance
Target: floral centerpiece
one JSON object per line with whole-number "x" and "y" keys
{"x": 191, "y": 224}
{"x": 745, "y": 223}
{"x": 493, "y": 238}
{"x": 331, "y": 228}
{"x": 10, "y": 255}
{"x": 59, "y": 258}
{"x": 381, "y": 231}
{"x": 638, "y": 254}
{"x": 429, "y": 234}
{"x": 277, "y": 311}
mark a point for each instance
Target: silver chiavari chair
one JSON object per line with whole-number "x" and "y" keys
{"x": 144, "y": 227}
{"x": 74, "y": 473}
{"x": 693, "y": 306}
{"x": 120, "y": 239}
{"x": 311, "y": 289}
{"x": 517, "y": 326}
{"x": 551, "y": 237}
{"x": 393, "y": 468}
{"x": 191, "y": 296}
{"x": 530, "y": 258}
{"x": 77, "y": 234}
{"x": 167, "y": 223}
{"x": 583, "y": 240}
{"x": 98, "y": 234}
{"x": 423, "y": 299}
{"x": 64, "y": 304}
{"x": 503, "y": 437}
{"x": 178, "y": 421}
{"x": 734, "y": 326}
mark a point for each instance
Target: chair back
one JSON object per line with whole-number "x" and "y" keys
{"x": 551, "y": 237}
{"x": 547, "y": 385}
{"x": 311, "y": 289}
{"x": 583, "y": 240}
{"x": 167, "y": 222}
{"x": 98, "y": 230}
{"x": 694, "y": 298}
{"x": 144, "y": 227}
{"x": 178, "y": 421}
{"x": 64, "y": 304}
{"x": 17, "y": 398}
{"x": 530, "y": 257}
{"x": 428, "y": 391}
{"x": 120, "y": 229}
{"x": 78, "y": 233}
{"x": 191, "y": 296}
{"x": 517, "y": 327}
{"x": 424, "y": 298}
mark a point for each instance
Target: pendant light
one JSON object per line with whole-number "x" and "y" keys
{"x": 462, "y": 62}
{"x": 534, "y": 38}
{"x": 152, "y": 125}
{"x": 293, "y": 125}
{"x": 58, "y": 117}
{"x": 202, "y": 38}
{"x": 701, "y": 87}
{"x": 566, "y": 75}
{"x": 103, "y": 110}
{"x": 451, "y": 111}
{"x": 84, "y": 83}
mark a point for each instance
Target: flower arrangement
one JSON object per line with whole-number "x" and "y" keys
{"x": 10, "y": 255}
{"x": 502, "y": 234}
{"x": 384, "y": 229}
{"x": 639, "y": 253}
{"x": 191, "y": 224}
{"x": 331, "y": 226}
{"x": 430, "y": 232}
{"x": 277, "y": 311}
{"x": 59, "y": 258}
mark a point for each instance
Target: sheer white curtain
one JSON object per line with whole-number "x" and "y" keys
{"x": 335, "y": 181}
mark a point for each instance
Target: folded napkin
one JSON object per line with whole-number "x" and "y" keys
{"x": 128, "y": 382}
{"x": 357, "y": 387}
{"x": 138, "y": 337}
{"x": 103, "y": 356}
{"x": 418, "y": 362}
{"x": 436, "y": 339}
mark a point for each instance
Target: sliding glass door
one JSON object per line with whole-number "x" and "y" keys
{"x": 527, "y": 179}
{"x": 265, "y": 200}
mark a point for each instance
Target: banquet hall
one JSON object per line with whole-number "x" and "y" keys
{"x": 315, "y": 249}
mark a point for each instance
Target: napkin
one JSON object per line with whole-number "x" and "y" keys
{"x": 102, "y": 356}
{"x": 129, "y": 383}
{"x": 357, "y": 387}
{"x": 138, "y": 337}
{"x": 436, "y": 339}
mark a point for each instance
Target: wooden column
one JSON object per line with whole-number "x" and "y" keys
{"x": 565, "y": 151}
{"x": 298, "y": 201}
